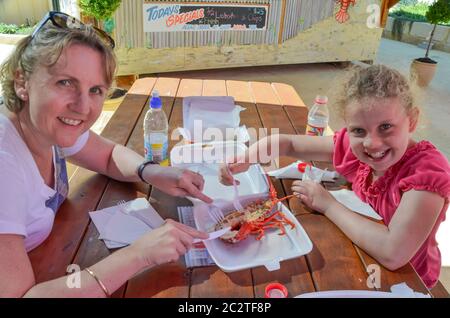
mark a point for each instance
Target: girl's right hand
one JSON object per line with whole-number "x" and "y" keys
{"x": 166, "y": 243}
{"x": 226, "y": 178}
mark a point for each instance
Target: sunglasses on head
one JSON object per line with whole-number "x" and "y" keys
{"x": 65, "y": 21}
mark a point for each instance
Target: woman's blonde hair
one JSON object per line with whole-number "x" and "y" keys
{"x": 375, "y": 81}
{"x": 44, "y": 49}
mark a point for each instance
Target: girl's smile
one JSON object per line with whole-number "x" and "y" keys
{"x": 380, "y": 131}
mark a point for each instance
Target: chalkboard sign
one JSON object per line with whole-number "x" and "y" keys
{"x": 164, "y": 17}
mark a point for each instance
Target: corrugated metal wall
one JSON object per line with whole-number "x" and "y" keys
{"x": 300, "y": 15}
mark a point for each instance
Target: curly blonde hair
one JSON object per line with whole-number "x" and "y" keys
{"x": 375, "y": 81}
{"x": 44, "y": 49}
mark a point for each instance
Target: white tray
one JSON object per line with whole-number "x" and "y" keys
{"x": 269, "y": 251}
{"x": 206, "y": 159}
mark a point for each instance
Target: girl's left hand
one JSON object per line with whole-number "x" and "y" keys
{"x": 313, "y": 195}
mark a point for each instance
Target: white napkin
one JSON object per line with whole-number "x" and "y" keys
{"x": 212, "y": 112}
{"x": 401, "y": 290}
{"x": 351, "y": 201}
{"x": 292, "y": 172}
{"x": 121, "y": 225}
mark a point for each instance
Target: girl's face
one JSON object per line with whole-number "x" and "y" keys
{"x": 380, "y": 131}
{"x": 66, "y": 99}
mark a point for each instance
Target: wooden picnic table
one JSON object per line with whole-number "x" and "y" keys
{"x": 335, "y": 263}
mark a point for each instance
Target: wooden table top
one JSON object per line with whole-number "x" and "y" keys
{"x": 335, "y": 263}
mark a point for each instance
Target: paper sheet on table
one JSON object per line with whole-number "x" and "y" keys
{"x": 121, "y": 225}
{"x": 292, "y": 172}
{"x": 351, "y": 201}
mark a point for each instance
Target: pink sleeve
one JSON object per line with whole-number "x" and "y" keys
{"x": 431, "y": 173}
{"x": 344, "y": 161}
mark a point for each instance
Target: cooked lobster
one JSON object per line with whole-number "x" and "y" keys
{"x": 255, "y": 219}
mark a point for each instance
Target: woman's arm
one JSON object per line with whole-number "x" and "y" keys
{"x": 121, "y": 163}
{"x": 160, "y": 246}
{"x": 394, "y": 245}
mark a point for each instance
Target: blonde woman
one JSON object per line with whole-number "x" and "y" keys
{"x": 54, "y": 85}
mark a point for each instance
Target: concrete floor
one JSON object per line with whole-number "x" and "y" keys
{"x": 312, "y": 79}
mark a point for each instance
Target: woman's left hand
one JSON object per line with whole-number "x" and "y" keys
{"x": 177, "y": 182}
{"x": 313, "y": 195}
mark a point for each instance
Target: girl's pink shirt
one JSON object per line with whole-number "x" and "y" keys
{"x": 421, "y": 168}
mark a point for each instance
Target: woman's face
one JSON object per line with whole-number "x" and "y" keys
{"x": 379, "y": 131}
{"x": 66, "y": 99}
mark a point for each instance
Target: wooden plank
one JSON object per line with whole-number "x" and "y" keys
{"x": 288, "y": 96}
{"x": 263, "y": 93}
{"x": 214, "y": 88}
{"x": 298, "y": 118}
{"x": 190, "y": 87}
{"x": 294, "y": 274}
{"x": 168, "y": 280}
{"x": 439, "y": 291}
{"x": 167, "y": 87}
{"x": 334, "y": 263}
{"x": 240, "y": 91}
{"x": 388, "y": 278}
{"x": 142, "y": 86}
{"x": 207, "y": 282}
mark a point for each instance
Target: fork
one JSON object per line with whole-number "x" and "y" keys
{"x": 237, "y": 205}
{"x": 122, "y": 206}
{"x": 215, "y": 213}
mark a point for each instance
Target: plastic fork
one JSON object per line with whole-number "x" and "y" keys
{"x": 237, "y": 205}
{"x": 215, "y": 213}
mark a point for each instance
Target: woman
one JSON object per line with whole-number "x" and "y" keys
{"x": 54, "y": 87}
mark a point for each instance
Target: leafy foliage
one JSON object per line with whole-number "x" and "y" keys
{"x": 99, "y": 9}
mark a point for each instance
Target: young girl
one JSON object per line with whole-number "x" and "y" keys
{"x": 406, "y": 182}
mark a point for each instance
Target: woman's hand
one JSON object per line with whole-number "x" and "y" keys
{"x": 177, "y": 182}
{"x": 314, "y": 195}
{"x": 166, "y": 243}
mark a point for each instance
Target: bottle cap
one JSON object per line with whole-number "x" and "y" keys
{"x": 155, "y": 101}
{"x": 276, "y": 290}
{"x": 321, "y": 99}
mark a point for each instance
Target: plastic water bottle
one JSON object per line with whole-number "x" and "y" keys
{"x": 156, "y": 132}
{"x": 318, "y": 117}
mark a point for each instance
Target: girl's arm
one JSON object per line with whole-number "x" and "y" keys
{"x": 394, "y": 245}
{"x": 271, "y": 147}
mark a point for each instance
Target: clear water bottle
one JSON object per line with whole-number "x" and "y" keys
{"x": 318, "y": 117}
{"x": 156, "y": 132}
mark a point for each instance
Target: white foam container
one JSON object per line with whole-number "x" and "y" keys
{"x": 269, "y": 251}
{"x": 272, "y": 248}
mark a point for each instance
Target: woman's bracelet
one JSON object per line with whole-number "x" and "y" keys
{"x": 142, "y": 167}
{"x": 99, "y": 282}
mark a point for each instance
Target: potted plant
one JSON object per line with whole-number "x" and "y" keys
{"x": 101, "y": 10}
{"x": 424, "y": 68}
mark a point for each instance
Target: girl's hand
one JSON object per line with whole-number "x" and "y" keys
{"x": 166, "y": 243}
{"x": 313, "y": 195}
{"x": 177, "y": 182}
{"x": 235, "y": 167}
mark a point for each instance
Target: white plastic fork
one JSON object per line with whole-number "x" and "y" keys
{"x": 237, "y": 205}
{"x": 215, "y": 213}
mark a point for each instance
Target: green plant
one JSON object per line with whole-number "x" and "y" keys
{"x": 99, "y": 9}
{"x": 438, "y": 12}
{"x": 14, "y": 29}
